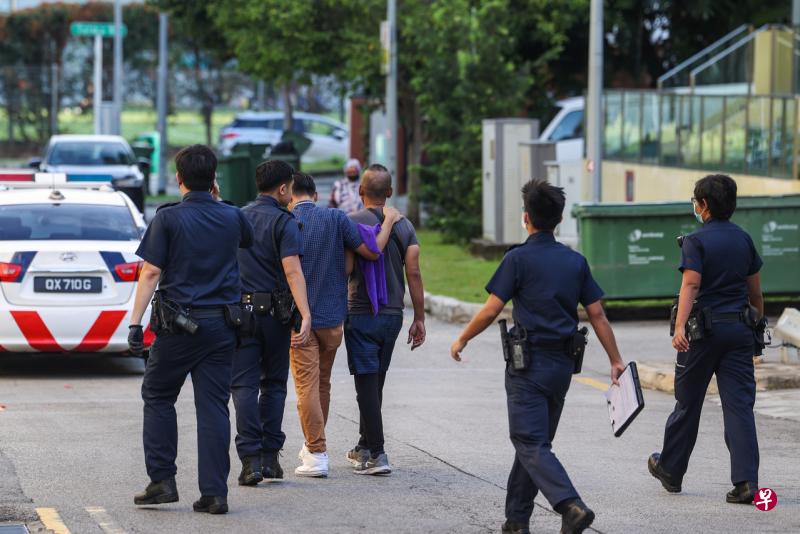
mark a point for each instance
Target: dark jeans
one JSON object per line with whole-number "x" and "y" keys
{"x": 260, "y": 373}
{"x": 207, "y": 356}
{"x": 370, "y": 341}
{"x": 535, "y": 400}
{"x": 728, "y": 353}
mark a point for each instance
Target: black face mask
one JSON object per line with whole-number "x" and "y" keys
{"x": 352, "y": 178}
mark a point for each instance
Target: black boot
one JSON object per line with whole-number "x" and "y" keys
{"x": 160, "y": 492}
{"x": 742, "y": 493}
{"x": 575, "y": 516}
{"x": 669, "y": 483}
{"x": 251, "y": 471}
{"x": 270, "y": 467}
{"x": 211, "y": 505}
{"x": 510, "y": 527}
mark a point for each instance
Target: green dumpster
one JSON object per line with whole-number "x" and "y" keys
{"x": 154, "y": 140}
{"x": 633, "y": 251}
{"x": 235, "y": 179}
{"x": 144, "y": 151}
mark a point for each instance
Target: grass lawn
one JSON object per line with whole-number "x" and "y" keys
{"x": 450, "y": 270}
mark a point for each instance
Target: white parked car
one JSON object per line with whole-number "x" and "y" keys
{"x": 566, "y": 129}
{"x": 68, "y": 268}
{"x": 328, "y": 137}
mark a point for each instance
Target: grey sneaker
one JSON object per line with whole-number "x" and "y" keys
{"x": 375, "y": 466}
{"x": 357, "y": 456}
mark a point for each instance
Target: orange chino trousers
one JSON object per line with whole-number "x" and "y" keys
{"x": 311, "y": 369}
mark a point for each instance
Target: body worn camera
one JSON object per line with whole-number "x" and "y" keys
{"x": 515, "y": 350}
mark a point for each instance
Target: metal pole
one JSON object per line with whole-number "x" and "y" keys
{"x": 117, "y": 67}
{"x": 98, "y": 81}
{"x": 53, "y": 99}
{"x": 795, "y": 25}
{"x": 261, "y": 97}
{"x": 594, "y": 122}
{"x": 161, "y": 102}
{"x": 391, "y": 99}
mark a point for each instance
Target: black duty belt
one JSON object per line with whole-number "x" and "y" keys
{"x": 207, "y": 313}
{"x": 737, "y": 317}
{"x": 550, "y": 347}
{"x": 261, "y": 302}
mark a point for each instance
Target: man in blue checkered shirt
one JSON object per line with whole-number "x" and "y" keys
{"x": 326, "y": 232}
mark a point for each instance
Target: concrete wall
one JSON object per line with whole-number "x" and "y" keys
{"x": 652, "y": 183}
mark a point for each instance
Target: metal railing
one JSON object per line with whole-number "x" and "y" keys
{"x": 743, "y": 134}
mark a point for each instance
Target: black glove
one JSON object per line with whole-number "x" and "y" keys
{"x": 136, "y": 339}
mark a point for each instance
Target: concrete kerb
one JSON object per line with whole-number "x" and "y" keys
{"x": 456, "y": 311}
{"x": 769, "y": 376}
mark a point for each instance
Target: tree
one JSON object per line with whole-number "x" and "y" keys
{"x": 287, "y": 43}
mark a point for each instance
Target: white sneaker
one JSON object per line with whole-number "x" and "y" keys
{"x": 315, "y": 464}
{"x": 302, "y": 453}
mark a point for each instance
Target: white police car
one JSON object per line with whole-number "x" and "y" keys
{"x": 68, "y": 268}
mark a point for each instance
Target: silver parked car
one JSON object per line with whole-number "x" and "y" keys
{"x": 96, "y": 158}
{"x": 328, "y": 137}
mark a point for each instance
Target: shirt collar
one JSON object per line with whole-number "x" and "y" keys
{"x": 541, "y": 238}
{"x": 304, "y": 204}
{"x": 269, "y": 200}
{"x": 198, "y": 196}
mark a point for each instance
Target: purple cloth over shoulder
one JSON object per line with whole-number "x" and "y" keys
{"x": 374, "y": 271}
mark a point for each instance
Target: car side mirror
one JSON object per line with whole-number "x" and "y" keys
{"x": 35, "y": 163}
{"x": 143, "y": 164}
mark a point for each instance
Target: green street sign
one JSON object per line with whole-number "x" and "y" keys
{"x": 93, "y": 29}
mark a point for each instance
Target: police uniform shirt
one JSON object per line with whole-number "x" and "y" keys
{"x": 546, "y": 281}
{"x": 194, "y": 243}
{"x": 725, "y": 256}
{"x": 259, "y": 264}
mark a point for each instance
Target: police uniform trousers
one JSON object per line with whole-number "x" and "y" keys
{"x": 207, "y": 357}
{"x": 535, "y": 400}
{"x": 728, "y": 353}
{"x": 258, "y": 385}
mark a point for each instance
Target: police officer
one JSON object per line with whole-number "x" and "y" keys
{"x": 272, "y": 277}
{"x": 546, "y": 281}
{"x": 720, "y": 269}
{"x": 189, "y": 251}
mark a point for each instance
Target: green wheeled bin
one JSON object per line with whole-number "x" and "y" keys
{"x": 236, "y": 181}
{"x": 633, "y": 251}
{"x": 144, "y": 152}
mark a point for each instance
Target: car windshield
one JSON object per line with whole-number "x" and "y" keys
{"x": 570, "y": 127}
{"x": 90, "y": 153}
{"x": 43, "y": 222}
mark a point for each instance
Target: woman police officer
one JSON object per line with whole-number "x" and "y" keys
{"x": 720, "y": 269}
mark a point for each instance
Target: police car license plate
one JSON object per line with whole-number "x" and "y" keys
{"x": 67, "y": 284}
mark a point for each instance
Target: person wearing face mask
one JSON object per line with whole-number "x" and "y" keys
{"x": 345, "y": 192}
{"x": 721, "y": 285}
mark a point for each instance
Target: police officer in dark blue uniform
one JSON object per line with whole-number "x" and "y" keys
{"x": 272, "y": 277}
{"x": 189, "y": 251}
{"x": 546, "y": 281}
{"x": 720, "y": 269}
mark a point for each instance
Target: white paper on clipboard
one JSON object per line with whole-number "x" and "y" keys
{"x": 625, "y": 400}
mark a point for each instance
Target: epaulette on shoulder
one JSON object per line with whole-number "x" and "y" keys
{"x": 167, "y": 205}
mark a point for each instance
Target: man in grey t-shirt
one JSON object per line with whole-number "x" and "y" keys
{"x": 370, "y": 337}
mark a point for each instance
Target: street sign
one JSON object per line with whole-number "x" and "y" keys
{"x": 95, "y": 29}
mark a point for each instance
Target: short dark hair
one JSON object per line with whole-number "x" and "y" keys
{"x": 197, "y": 167}
{"x": 719, "y": 193}
{"x": 377, "y": 181}
{"x": 304, "y": 184}
{"x": 272, "y": 174}
{"x": 544, "y": 204}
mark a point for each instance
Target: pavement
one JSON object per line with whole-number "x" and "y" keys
{"x": 70, "y": 452}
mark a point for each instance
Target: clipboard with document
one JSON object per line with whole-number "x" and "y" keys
{"x": 625, "y": 401}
